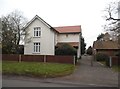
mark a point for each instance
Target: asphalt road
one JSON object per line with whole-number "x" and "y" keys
{"x": 33, "y": 83}
{"x": 23, "y": 83}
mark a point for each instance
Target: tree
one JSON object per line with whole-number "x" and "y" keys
{"x": 12, "y": 31}
{"x": 111, "y": 17}
{"x": 83, "y": 45}
{"x": 89, "y": 50}
{"x": 112, "y": 9}
{"x": 100, "y": 36}
{"x": 114, "y": 22}
{"x": 7, "y": 39}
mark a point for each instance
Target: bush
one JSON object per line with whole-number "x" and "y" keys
{"x": 102, "y": 57}
{"x": 118, "y": 54}
{"x": 107, "y": 61}
{"x": 65, "y": 49}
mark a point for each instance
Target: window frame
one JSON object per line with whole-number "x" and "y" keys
{"x": 36, "y": 47}
{"x": 37, "y": 32}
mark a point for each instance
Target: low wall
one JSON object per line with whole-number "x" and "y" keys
{"x": 39, "y": 58}
{"x": 32, "y": 58}
{"x": 10, "y": 57}
{"x": 60, "y": 59}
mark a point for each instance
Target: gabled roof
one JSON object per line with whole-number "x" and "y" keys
{"x": 37, "y": 17}
{"x": 68, "y": 29}
{"x": 62, "y": 29}
{"x": 105, "y": 45}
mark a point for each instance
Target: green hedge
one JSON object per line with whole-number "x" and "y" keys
{"x": 103, "y": 57}
{"x": 65, "y": 49}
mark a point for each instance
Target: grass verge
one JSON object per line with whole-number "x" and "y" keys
{"x": 103, "y": 62}
{"x": 38, "y": 69}
{"x": 116, "y": 68}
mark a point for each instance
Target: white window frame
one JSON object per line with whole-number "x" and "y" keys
{"x": 36, "y": 48}
{"x": 37, "y": 32}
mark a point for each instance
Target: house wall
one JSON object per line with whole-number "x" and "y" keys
{"x": 47, "y": 44}
{"x": 68, "y": 37}
{"x": 56, "y": 38}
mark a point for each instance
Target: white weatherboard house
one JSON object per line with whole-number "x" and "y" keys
{"x": 41, "y": 38}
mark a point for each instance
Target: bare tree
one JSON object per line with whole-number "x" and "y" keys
{"x": 111, "y": 16}
{"x": 13, "y": 25}
{"x": 111, "y": 10}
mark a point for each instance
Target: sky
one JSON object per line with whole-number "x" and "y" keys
{"x": 87, "y": 13}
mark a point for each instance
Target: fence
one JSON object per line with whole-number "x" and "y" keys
{"x": 39, "y": 58}
{"x": 115, "y": 60}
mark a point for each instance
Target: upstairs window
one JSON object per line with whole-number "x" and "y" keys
{"x": 37, "y": 32}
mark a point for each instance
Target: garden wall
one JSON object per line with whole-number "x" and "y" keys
{"x": 60, "y": 59}
{"x": 39, "y": 58}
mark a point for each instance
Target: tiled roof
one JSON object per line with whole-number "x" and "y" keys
{"x": 68, "y": 29}
{"x": 70, "y": 43}
{"x": 105, "y": 45}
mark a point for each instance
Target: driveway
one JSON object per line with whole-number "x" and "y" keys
{"x": 97, "y": 75}
{"x": 84, "y": 75}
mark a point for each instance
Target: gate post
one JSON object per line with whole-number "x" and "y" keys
{"x": 74, "y": 61}
{"x": 19, "y": 58}
{"x": 110, "y": 62}
{"x": 45, "y": 58}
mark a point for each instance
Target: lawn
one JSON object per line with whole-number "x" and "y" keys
{"x": 38, "y": 69}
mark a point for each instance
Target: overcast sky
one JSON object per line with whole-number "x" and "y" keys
{"x": 87, "y": 13}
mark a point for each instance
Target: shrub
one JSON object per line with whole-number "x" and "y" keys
{"x": 102, "y": 57}
{"x": 107, "y": 61}
{"x": 118, "y": 54}
{"x": 65, "y": 49}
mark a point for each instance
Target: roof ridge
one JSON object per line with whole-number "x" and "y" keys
{"x": 69, "y": 26}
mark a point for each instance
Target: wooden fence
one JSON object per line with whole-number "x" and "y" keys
{"x": 39, "y": 58}
{"x": 115, "y": 60}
